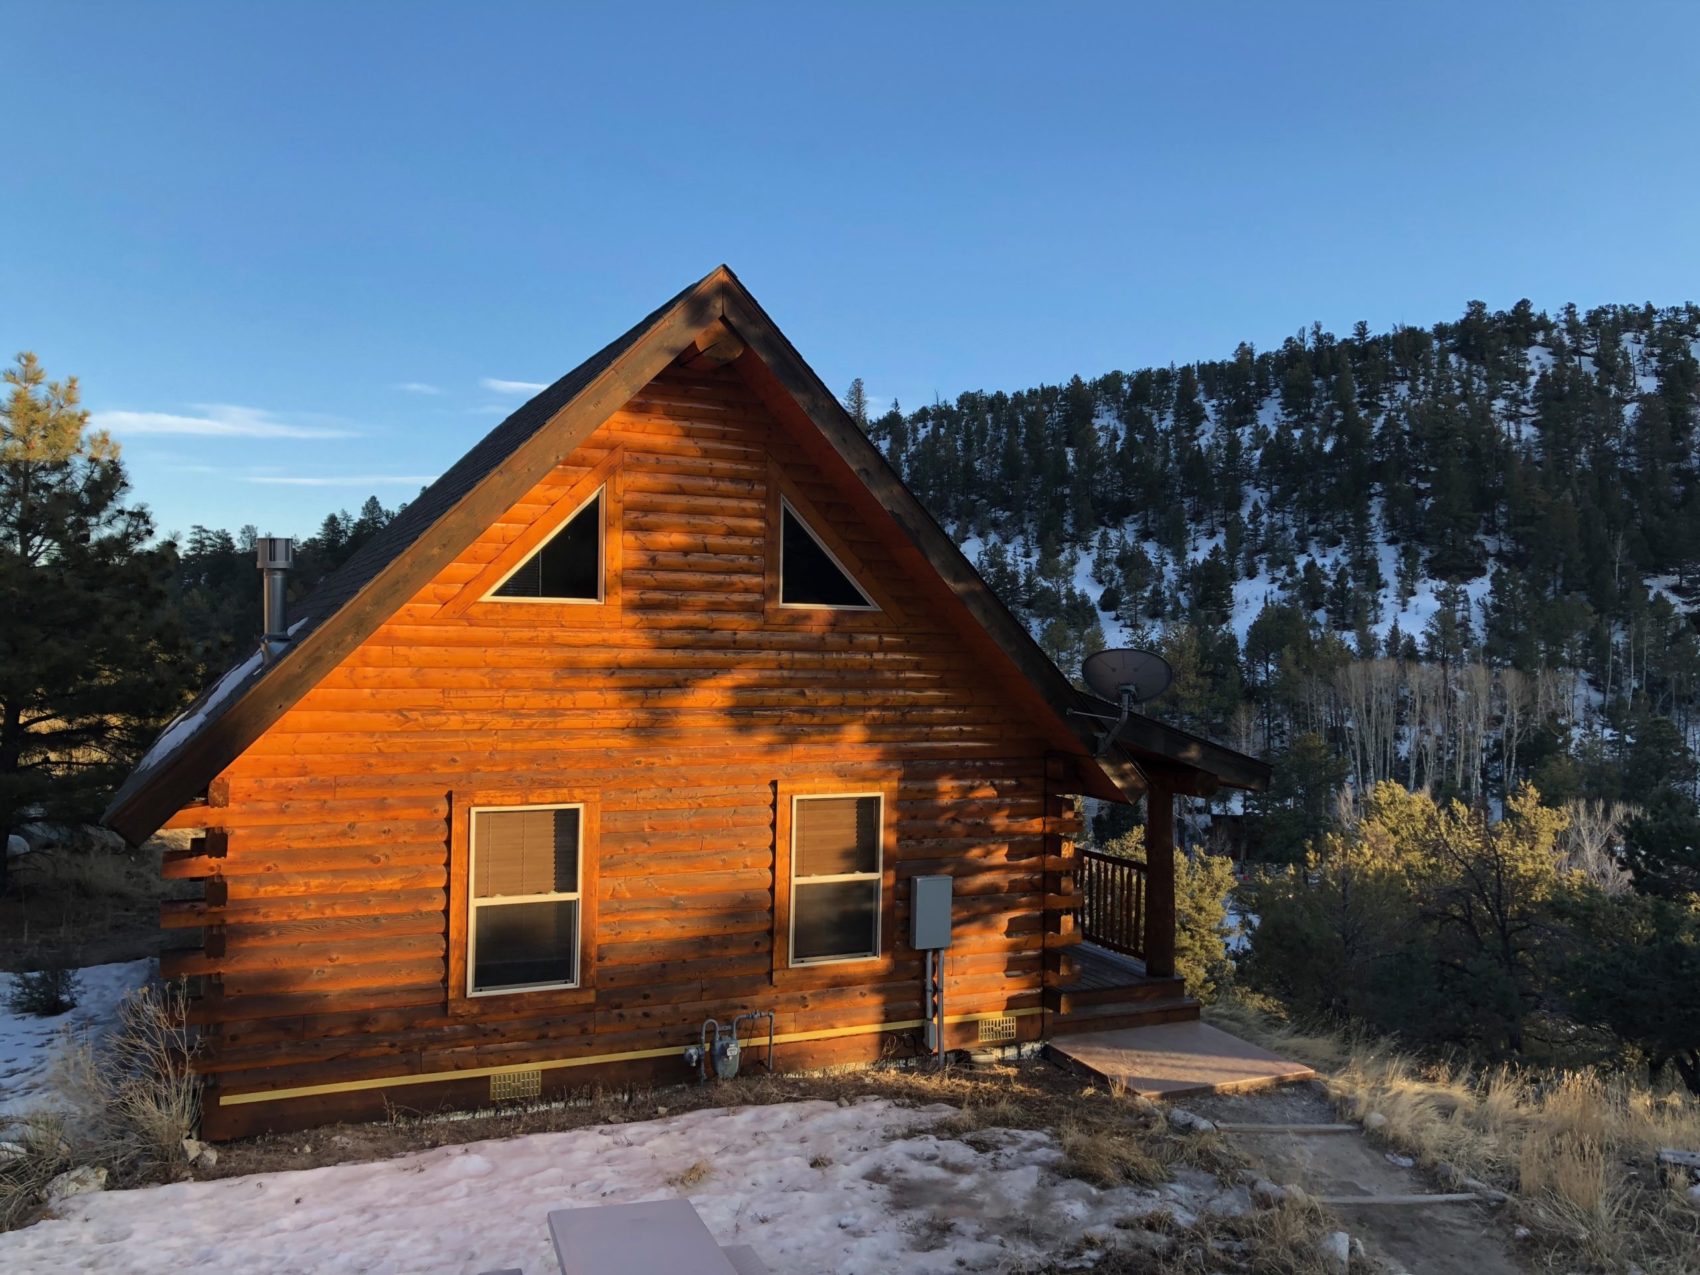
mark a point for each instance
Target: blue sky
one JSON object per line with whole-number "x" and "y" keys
{"x": 295, "y": 252}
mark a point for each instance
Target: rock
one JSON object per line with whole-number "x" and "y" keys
{"x": 16, "y": 846}
{"x": 1522, "y": 1233}
{"x": 1358, "y": 1252}
{"x": 1487, "y": 1192}
{"x": 1375, "y": 1120}
{"x": 197, "y": 1152}
{"x": 1335, "y": 1249}
{"x": 86, "y": 838}
{"x": 1187, "y": 1122}
{"x": 79, "y": 1181}
{"x": 1266, "y": 1195}
{"x": 1295, "y": 1193}
{"x": 1403, "y": 1161}
{"x": 1694, "y": 1195}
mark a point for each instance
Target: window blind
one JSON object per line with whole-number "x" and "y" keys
{"x": 835, "y": 836}
{"x": 523, "y": 852}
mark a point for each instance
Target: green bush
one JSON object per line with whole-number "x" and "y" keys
{"x": 43, "y": 993}
{"x": 1202, "y": 928}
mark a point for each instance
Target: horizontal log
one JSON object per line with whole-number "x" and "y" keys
{"x": 251, "y": 910}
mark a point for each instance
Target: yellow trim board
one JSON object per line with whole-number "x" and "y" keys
{"x": 555, "y": 1064}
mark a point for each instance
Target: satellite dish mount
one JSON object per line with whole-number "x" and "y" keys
{"x": 1127, "y": 677}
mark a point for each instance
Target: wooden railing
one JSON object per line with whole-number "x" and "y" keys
{"x": 1112, "y": 902}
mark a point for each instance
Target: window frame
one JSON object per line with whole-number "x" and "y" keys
{"x": 877, "y": 876}
{"x": 599, "y": 494}
{"x": 471, "y": 598}
{"x": 474, "y": 903}
{"x": 786, "y": 506}
{"x": 461, "y": 1000}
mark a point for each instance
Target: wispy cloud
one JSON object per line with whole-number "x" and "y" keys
{"x": 340, "y": 480}
{"x": 418, "y": 387}
{"x": 513, "y": 387}
{"x": 215, "y": 420}
{"x": 492, "y": 409}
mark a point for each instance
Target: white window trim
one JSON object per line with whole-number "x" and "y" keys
{"x": 877, "y": 876}
{"x": 473, "y": 903}
{"x": 785, "y": 507}
{"x": 491, "y": 595}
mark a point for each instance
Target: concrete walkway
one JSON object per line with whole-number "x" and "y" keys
{"x": 1169, "y": 1060}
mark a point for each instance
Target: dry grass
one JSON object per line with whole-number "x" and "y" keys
{"x": 1574, "y": 1149}
{"x": 136, "y": 1085}
{"x": 33, "y": 1151}
{"x": 695, "y": 1175}
{"x": 1278, "y": 1241}
{"x": 130, "y": 1099}
{"x": 67, "y": 907}
{"x": 1108, "y": 1157}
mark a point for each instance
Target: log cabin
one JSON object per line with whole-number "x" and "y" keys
{"x": 648, "y": 712}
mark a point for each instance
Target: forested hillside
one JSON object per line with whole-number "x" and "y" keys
{"x": 1459, "y": 557}
{"x": 1456, "y": 557}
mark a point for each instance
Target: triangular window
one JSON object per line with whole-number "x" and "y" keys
{"x": 567, "y": 567}
{"x": 809, "y": 575}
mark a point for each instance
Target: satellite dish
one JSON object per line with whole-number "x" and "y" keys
{"x": 1127, "y": 676}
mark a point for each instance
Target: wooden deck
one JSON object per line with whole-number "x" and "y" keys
{"x": 1099, "y": 968}
{"x": 1109, "y": 990}
{"x": 1167, "y": 1060}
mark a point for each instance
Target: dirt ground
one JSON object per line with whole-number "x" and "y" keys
{"x": 1438, "y": 1239}
{"x": 1028, "y": 1094}
{"x": 67, "y": 908}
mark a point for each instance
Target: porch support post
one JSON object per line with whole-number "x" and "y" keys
{"x": 1159, "y": 882}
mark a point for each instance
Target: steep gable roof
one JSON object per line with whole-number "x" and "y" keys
{"x": 354, "y": 600}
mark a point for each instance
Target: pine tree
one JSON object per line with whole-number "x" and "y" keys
{"x": 856, "y": 403}
{"x": 91, "y": 654}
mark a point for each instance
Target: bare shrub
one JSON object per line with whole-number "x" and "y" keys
{"x": 135, "y": 1087}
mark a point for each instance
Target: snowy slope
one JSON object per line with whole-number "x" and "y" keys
{"x": 29, "y": 1045}
{"x": 1251, "y": 594}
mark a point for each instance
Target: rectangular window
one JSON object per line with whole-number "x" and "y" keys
{"x": 524, "y": 871}
{"x": 835, "y": 877}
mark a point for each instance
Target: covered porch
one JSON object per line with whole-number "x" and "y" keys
{"x": 1121, "y": 1012}
{"x": 1118, "y": 968}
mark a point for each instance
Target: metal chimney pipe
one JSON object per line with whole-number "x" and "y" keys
{"x": 275, "y": 555}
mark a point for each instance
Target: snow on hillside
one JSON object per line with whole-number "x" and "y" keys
{"x": 1252, "y": 593}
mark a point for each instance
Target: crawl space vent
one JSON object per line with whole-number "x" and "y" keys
{"x": 993, "y": 1030}
{"x": 507, "y": 1086}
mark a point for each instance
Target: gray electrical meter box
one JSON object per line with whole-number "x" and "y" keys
{"x": 929, "y": 913}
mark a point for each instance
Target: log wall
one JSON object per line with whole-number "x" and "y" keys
{"x": 686, "y": 710}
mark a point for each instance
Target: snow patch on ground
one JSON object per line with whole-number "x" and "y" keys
{"x": 29, "y": 1045}
{"x": 812, "y": 1186}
